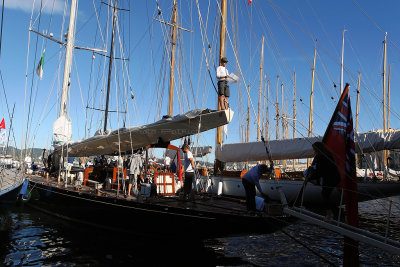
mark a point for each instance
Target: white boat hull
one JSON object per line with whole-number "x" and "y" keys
{"x": 232, "y": 186}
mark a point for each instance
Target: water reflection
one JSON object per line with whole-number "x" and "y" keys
{"x": 32, "y": 238}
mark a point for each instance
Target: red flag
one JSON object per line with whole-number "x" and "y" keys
{"x": 250, "y": 1}
{"x": 339, "y": 140}
{"x": 2, "y": 124}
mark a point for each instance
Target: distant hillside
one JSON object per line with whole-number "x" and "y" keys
{"x": 36, "y": 153}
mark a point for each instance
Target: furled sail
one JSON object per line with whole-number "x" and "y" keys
{"x": 62, "y": 130}
{"x": 299, "y": 148}
{"x": 198, "y": 151}
{"x": 162, "y": 131}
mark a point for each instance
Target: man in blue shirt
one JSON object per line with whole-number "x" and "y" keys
{"x": 250, "y": 181}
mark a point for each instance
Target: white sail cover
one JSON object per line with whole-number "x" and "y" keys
{"x": 196, "y": 151}
{"x": 299, "y": 148}
{"x": 62, "y": 130}
{"x": 165, "y": 130}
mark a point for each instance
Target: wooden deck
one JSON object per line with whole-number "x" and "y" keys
{"x": 200, "y": 202}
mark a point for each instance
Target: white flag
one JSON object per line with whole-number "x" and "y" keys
{"x": 39, "y": 69}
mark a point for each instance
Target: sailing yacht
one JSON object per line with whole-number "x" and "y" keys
{"x": 111, "y": 208}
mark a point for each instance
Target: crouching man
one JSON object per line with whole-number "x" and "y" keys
{"x": 250, "y": 181}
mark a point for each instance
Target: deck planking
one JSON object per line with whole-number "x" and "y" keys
{"x": 201, "y": 202}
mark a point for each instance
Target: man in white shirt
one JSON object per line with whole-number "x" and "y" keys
{"x": 189, "y": 171}
{"x": 167, "y": 163}
{"x": 223, "y": 87}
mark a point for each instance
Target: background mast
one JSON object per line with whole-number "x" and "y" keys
{"x": 110, "y": 64}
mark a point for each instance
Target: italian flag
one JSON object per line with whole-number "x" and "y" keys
{"x": 39, "y": 69}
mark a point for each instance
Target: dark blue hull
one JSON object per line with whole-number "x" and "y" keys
{"x": 144, "y": 218}
{"x": 9, "y": 196}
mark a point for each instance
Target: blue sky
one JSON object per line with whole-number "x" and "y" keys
{"x": 289, "y": 28}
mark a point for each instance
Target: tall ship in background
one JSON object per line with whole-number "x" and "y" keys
{"x": 375, "y": 180}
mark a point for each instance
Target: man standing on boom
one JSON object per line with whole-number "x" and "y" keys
{"x": 223, "y": 87}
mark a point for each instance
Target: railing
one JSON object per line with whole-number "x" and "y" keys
{"x": 373, "y": 239}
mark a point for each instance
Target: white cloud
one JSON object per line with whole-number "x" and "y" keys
{"x": 56, "y": 6}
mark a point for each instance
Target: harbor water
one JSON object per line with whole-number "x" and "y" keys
{"x": 32, "y": 238}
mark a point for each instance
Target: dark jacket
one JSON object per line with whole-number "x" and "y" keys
{"x": 325, "y": 170}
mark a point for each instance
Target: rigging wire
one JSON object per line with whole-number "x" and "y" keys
{"x": 276, "y": 8}
{"x": 376, "y": 25}
{"x": 333, "y": 47}
{"x": 298, "y": 45}
{"x": 8, "y": 109}
{"x": 30, "y": 119}
{"x": 98, "y": 29}
{"x": 346, "y": 70}
{"x": 28, "y": 122}
{"x": 44, "y": 115}
{"x": 1, "y": 76}
{"x": 165, "y": 59}
{"x": 205, "y": 39}
{"x": 1, "y": 31}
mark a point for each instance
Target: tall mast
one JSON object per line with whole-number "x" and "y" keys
{"x": 277, "y": 108}
{"x": 286, "y": 120}
{"x": 175, "y": 28}
{"x": 388, "y": 112}
{"x": 358, "y": 105}
{"x": 259, "y": 94}
{"x": 294, "y": 112}
{"x": 310, "y": 118}
{"x": 384, "y": 84}
{"x": 388, "y": 100}
{"x": 284, "y": 127}
{"x": 384, "y": 96}
{"x": 222, "y": 51}
{"x": 283, "y": 113}
{"x": 341, "y": 64}
{"x": 172, "y": 71}
{"x": 68, "y": 58}
{"x": 267, "y": 123}
{"x": 264, "y": 103}
{"x": 358, "y": 100}
{"x": 110, "y": 64}
{"x": 218, "y": 164}
{"x": 248, "y": 117}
